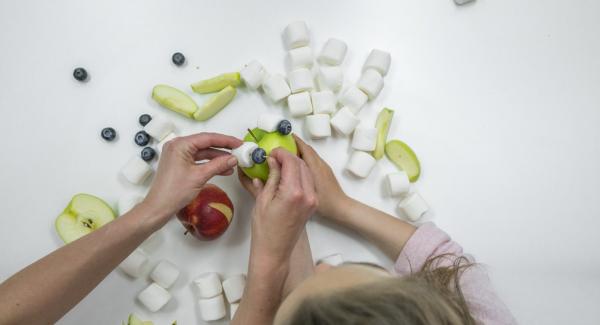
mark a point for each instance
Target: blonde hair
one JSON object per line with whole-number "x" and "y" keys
{"x": 430, "y": 296}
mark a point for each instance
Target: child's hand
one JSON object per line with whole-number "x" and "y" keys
{"x": 329, "y": 191}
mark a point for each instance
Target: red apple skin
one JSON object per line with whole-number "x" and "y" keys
{"x": 204, "y": 221}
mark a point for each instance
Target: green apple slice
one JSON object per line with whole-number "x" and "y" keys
{"x": 84, "y": 214}
{"x": 134, "y": 320}
{"x": 215, "y": 104}
{"x": 175, "y": 100}
{"x": 217, "y": 83}
{"x": 384, "y": 119}
{"x": 404, "y": 158}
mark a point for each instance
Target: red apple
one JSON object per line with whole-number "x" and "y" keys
{"x": 209, "y": 214}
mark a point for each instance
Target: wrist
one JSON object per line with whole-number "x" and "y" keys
{"x": 340, "y": 209}
{"x": 153, "y": 216}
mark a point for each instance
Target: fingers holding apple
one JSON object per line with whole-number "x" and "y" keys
{"x": 209, "y": 214}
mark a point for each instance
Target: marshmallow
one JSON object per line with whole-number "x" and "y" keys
{"x": 133, "y": 265}
{"x": 212, "y": 308}
{"x": 318, "y": 126}
{"x": 364, "y": 138}
{"x": 323, "y": 102}
{"x": 243, "y": 154}
{"x": 344, "y": 121}
{"x": 379, "y": 61}
{"x": 330, "y": 78}
{"x": 253, "y": 74}
{"x": 371, "y": 82}
{"x": 269, "y": 122}
{"x": 301, "y": 80}
{"x": 301, "y": 57}
{"x": 397, "y": 183}
{"x": 208, "y": 285}
{"x": 154, "y": 297}
{"x": 462, "y": 2}
{"x": 413, "y": 207}
{"x": 333, "y": 260}
{"x": 354, "y": 99}
{"x": 161, "y": 144}
{"x": 159, "y": 127}
{"x": 234, "y": 287}
{"x": 165, "y": 274}
{"x": 361, "y": 164}
{"x": 136, "y": 170}
{"x": 276, "y": 87}
{"x": 233, "y": 309}
{"x": 128, "y": 202}
{"x": 333, "y": 52}
{"x": 296, "y": 35}
{"x": 300, "y": 104}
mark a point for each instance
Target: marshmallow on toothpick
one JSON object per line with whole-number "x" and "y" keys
{"x": 344, "y": 121}
{"x": 364, "y": 138}
{"x": 378, "y": 60}
{"x": 318, "y": 126}
{"x": 253, "y": 74}
{"x": 212, "y": 309}
{"x": 413, "y": 207}
{"x": 330, "y": 78}
{"x": 154, "y": 297}
{"x": 136, "y": 170}
{"x": 333, "y": 260}
{"x": 323, "y": 102}
{"x": 300, "y": 104}
{"x": 296, "y": 35}
{"x": 301, "y": 57}
{"x": 354, "y": 99}
{"x": 165, "y": 274}
{"x": 128, "y": 202}
{"x": 243, "y": 154}
{"x": 269, "y": 122}
{"x": 276, "y": 87}
{"x": 371, "y": 82}
{"x": 233, "y": 309}
{"x": 333, "y": 52}
{"x": 397, "y": 184}
{"x": 360, "y": 164}
{"x": 133, "y": 265}
{"x": 234, "y": 287}
{"x": 208, "y": 285}
{"x": 159, "y": 127}
{"x": 160, "y": 146}
{"x": 301, "y": 79}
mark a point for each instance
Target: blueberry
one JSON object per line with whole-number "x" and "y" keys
{"x": 108, "y": 134}
{"x": 144, "y": 119}
{"x": 80, "y": 74}
{"x": 284, "y": 127}
{"x": 178, "y": 59}
{"x": 259, "y": 155}
{"x": 142, "y": 138}
{"x": 148, "y": 154}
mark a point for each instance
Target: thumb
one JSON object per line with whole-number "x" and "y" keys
{"x": 215, "y": 167}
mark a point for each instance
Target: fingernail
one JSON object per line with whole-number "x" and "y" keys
{"x": 232, "y": 161}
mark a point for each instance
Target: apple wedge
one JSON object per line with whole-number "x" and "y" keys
{"x": 84, "y": 214}
{"x": 217, "y": 83}
{"x": 404, "y": 158}
{"x": 134, "y": 320}
{"x": 175, "y": 100}
{"x": 384, "y": 119}
{"x": 215, "y": 104}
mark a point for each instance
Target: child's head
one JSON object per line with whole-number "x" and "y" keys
{"x": 367, "y": 294}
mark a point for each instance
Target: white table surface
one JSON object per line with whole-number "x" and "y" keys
{"x": 500, "y": 100}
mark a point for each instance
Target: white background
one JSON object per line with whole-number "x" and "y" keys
{"x": 500, "y": 100}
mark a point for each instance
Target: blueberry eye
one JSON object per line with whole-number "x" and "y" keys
{"x": 284, "y": 127}
{"x": 142, "y": 138}
{"x": 259, "y": 155}
{"x": 178, "y": 59}
{"x": 148, "y": 154}
{"x": 144, "y": 119}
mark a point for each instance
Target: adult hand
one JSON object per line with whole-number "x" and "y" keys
{"x": 185, "y": 165}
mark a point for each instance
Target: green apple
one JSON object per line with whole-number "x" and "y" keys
{"x": 84, "y": 214}
{"x": 217, "y": 83}
{"x": 215, "y": 104}
{"x": 175, "y": 100}
{"x": 404, "y": 158}
{"x": 134, "y": 320}
{"x": 268, "y": 141}
{"x": 384, "y": 119}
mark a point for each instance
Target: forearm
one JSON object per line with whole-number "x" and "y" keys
{"x": 47, "y": 289}
{"x": 301, "y": 264}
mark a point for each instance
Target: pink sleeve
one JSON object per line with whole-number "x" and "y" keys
{"x": 429, "y": 241}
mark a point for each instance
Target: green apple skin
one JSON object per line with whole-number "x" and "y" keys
{"x": 215, "y": 104}
{"x": 175, "y": 100}
{"x": 84, "y": 214}
{"x": 384, "y": 119}
{"x": 268, "y": 141}
{"x": 217, "y": 83}
{"x": 404, "y": 158}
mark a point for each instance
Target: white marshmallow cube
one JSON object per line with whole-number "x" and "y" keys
{"x": 344, "y": 121}
{"x": 212, "y": 309}
{"x": 378, "y": 60}
{"x": 161, "y": 144}
{"x": 333, "y": 260}
{"x": 330, "y": 78}
{"x": 208, "y": 285}
{"x": 234, "y": 287}
{"x": 413, "y": 207}
{"x": 233, "y": 309}
{"x": 371, "y": 82}
{"x": 253, "y": 74}
{"x": 159, "y": 127}
{"x": 301, "y": 80}
{"x": 301, "y": 57}
{"x": 462, "y": 2}
{"x": 333, "y": 52}
{"x": 397, "y": 184}
{"x": 364, "y": 138}
{"x": 300, "y": 104}
{"x": 276, "y": 87}
{"x": 154, "y": 297}
{"x": 165, "y": 274}
{"x": 243, "y": 154}
{"x": 354, "y": 99}
{"x": 133, "y": 265}
{"x": 361, "y": 164}
{"x": 269, "y": 122}
{"x": 136, "y": 170}
{"x": 128, "y": 202}
{"x": 318, "y": 126}
{"x": 296, "y": 35}
{"x": 323, "y": 102}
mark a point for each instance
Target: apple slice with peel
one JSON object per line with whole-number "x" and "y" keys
{"x": 215, "y": 104}
{"x": 384, "y": 119}
{"x": 404, "y": 158}
{"x": 84, "y": 214}
{"x": 175, "y": 100}
{"x": 134, "y": 320}
{"x": 217, "y": 83}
